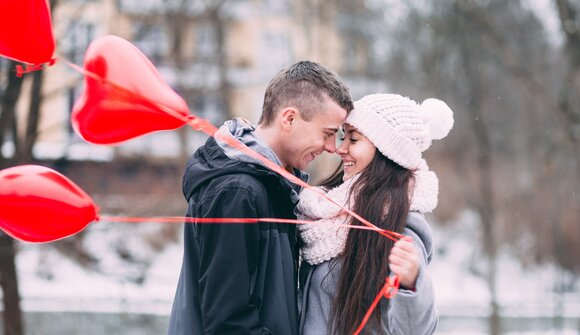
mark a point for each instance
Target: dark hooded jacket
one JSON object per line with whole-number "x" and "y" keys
{"x": 236, "y": 278}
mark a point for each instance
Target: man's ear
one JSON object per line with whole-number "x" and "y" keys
{"x": 288, "y": 117}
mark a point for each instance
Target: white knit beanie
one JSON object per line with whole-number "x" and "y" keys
{"x": 399, "y": 127}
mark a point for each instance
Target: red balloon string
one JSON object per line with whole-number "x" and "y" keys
{"x": 388, "y": 291}
{"x": 180, "y": 219}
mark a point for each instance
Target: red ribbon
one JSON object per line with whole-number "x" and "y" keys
{"x": 180, "y": 219}
{"x": 388, "y": 291}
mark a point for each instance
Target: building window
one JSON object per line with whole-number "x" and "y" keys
{"x": 276, "y": 51}
{"x": 152, "y": 40}
{"x": 350, "y": 58}
{"x": 72, "y": 94}
{"x": 146, "y": 7}
{"x": 79, "y": 35}
{"x": 206, "y": 42}
{"x": 276, "y": 7}
{"x": 139, "y": 6}
{"x": 209, "y": 106}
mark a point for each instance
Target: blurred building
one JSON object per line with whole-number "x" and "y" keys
{"x": 218, "y": 55}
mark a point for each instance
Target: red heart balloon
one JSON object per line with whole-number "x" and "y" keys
{"x": 26, "y": 31}
{"x": 38, "y": 204}
{"x": 125, "y": 96}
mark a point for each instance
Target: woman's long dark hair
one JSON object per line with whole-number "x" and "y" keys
{"x": 381, "y": 195}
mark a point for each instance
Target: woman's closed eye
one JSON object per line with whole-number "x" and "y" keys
{"x": 351, "y": 139}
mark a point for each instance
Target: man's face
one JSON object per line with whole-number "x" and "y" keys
{"x": 309, "y": 139}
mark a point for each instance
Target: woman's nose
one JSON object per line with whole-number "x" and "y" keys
{"x": 342, "y": 148}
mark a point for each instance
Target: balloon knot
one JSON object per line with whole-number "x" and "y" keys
{"x": 97, "y": 216}
{"x": 391, "y": 287}
{"x": 20, "y": 70}
{"x": 194, "y": 122}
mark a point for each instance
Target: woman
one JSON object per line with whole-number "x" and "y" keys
{"x": 384, "y": 179}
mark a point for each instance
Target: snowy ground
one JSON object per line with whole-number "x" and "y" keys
{"x": 50, "y": 282}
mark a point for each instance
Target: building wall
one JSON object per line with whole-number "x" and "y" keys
{"x": 260, "y": 38}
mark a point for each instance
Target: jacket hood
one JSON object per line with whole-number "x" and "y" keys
{"x": 210, "y": 161}
{"x": 242, "y": 130}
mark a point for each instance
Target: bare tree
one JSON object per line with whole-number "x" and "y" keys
{"x": 479, "y": 125}
{"x": 13, "y": 320}
{"x": 564, "y": 154}
{"x": 569, "y": 23}
{"x": 175, "y": 19}
{"x": 515, "y": 143}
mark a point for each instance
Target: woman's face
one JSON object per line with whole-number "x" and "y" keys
{"x": 356, "y": 151}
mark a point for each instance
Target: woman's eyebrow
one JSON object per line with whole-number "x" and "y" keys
{"x": 350, "y": 131}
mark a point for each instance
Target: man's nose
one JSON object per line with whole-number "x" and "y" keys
{"x": 330, "y": 145}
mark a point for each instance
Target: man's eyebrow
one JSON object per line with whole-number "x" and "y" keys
{"x": 334, "y": 130}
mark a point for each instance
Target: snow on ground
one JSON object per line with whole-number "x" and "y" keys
{"x": 51, "y": 282}
{"x": 457, "y": 270}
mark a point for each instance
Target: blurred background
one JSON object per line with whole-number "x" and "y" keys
{"x": 507, "y": 228}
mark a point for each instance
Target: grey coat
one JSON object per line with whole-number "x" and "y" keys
{"x": 409, "y": 312}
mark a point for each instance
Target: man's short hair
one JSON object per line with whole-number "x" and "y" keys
{"x": 303, "y": 85}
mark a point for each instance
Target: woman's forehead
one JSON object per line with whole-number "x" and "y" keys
{"x": 347, "y": 129}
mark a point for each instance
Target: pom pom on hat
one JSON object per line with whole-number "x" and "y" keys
{"x": 438, "y": 116}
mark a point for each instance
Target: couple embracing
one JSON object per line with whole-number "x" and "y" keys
{"x": 319, "y": 278}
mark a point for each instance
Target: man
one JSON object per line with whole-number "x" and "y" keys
{"x": 241, "y": 278}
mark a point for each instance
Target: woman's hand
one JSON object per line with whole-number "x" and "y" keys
{"x": 404, "y": 261}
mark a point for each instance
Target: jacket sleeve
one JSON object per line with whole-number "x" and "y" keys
{"x": 229, "y": 255}
{"x": 414, "y": 312}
